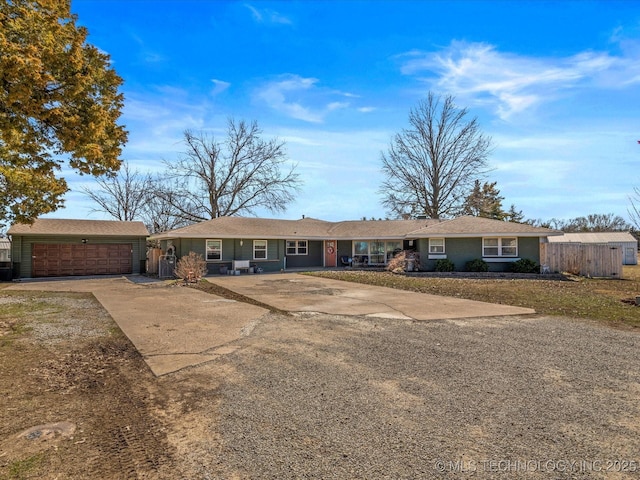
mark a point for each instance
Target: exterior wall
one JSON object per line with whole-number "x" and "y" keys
{"x": 22, "y": 249}
{"x": 16, "y": 248}
{"x": 312, "y": 259}
{"x": 458, "y": 250}
{"x": 344, "y": 250}
{"x": 529, "y": 248}
{"x": 231, "y": 250}
{"x": 462, "y": 250}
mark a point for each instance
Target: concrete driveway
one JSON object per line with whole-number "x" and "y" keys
{"x": 294, "y": 292}
{"x": 175, "y": 327}
{"x": 172, "y": 327}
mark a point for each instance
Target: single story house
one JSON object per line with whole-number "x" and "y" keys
{"x": 273, "y": 245}
{"x": 623, "y": 240}
{"x": 56, "y": 247}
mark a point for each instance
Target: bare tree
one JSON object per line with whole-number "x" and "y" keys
{"x": 634, "y": 208}
{"x": 237, "y": 176}
{"x": 160, "y": 215}
{"x": 123, "y": 196}
{"x": 594, "y": 222}
{"x": 597, "y": 222}
{"x": 130, "y": 195}
{"x": 431, "y": 166}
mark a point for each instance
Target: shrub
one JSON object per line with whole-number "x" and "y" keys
{"x": 398, "y": 264}
{"x": 477, "y": 265}
{"x": 191, "y": 268}
{"x": 524, "y": 265}
{"x": 444, "y": 265}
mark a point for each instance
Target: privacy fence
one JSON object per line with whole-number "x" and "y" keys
{"x": 598, "y": 260}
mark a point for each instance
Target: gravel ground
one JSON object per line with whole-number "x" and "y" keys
{"x": 317, "y": 396}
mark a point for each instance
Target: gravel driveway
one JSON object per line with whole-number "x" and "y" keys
{"x": 320, "y": 396}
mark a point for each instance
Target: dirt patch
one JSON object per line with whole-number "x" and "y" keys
{"x": 64, "y": 363}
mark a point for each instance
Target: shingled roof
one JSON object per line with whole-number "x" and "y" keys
{"x": 388, "y": 229}
{"x": 65, "y": 227}
{"x": 311, "y": 228}
{"x": 469, "y": 226}
{"x": 236, "y": 227}
{"x": 308, "y": 228}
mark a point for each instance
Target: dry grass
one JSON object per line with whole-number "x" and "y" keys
{"x": 609, "y": 301}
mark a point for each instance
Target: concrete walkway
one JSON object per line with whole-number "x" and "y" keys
{"x": 176, "y": 327}
{"x": 302, "y": 293}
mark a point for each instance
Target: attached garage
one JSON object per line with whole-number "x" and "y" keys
{"x": 60, "y": 248}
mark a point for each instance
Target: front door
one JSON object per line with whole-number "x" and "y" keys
{"x": 330, "y": 254}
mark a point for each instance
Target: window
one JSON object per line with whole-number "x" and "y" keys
{"x": 436, "y": 245}
{"x": 375, "y": 252}
{"x": 393, "y": 248}
{"x": 259, "y": 249}
{"x": 214, "y": 250}
{"x": 500, "y": 247}
{"x": 296, "y": 247}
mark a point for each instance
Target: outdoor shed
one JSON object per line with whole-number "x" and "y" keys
{"x": 5, "y": 250}
{"x": 57, "y": 248}
{"x": 622, "y": 240}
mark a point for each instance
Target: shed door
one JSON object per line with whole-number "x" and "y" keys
{"x": 60, "y": 260}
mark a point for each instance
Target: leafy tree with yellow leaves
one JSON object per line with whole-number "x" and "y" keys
{"x": 59, "y": 103}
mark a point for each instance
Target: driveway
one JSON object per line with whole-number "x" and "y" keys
{"x": 320, "y": 396}
{"x": 175, "y": 327}
{"x": 356, "y": 395}
{"x": 300, "y": 293}
{"x": 172, "y": 327}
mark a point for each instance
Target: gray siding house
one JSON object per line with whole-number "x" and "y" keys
{"x": 274, "y": 245}
{"x": 56, "y": 248}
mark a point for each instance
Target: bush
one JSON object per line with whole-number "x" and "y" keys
{"x": 444, "y": 265}
{"x": 191, "y": 268}
{"x": 398, "y": 264}
{"x": 477, "y": 265}
{"x": 524, "y": 265}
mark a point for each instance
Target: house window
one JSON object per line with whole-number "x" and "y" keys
{"x": 214, "y": 250}
{"x": 436, "y": 245}
{"x": 375, "y": 252}
{"x": 297, "y": 247}
{"x": 259, "y": 249}
{"x": 393, "y": 248}
{"x": 500, "y": 247}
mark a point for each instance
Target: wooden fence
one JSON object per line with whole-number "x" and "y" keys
{"x": 153, "y": 260}
{"x": 582, "y": 259}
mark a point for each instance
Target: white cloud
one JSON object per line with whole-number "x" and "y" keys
{"x": 510, "y": 83}
{"x": 268, "y": 16}
{"x": 219, "y": 86}
{"x": 299, "y": 97}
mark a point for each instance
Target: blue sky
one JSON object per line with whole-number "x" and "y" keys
{"x": 555, "y": 84}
